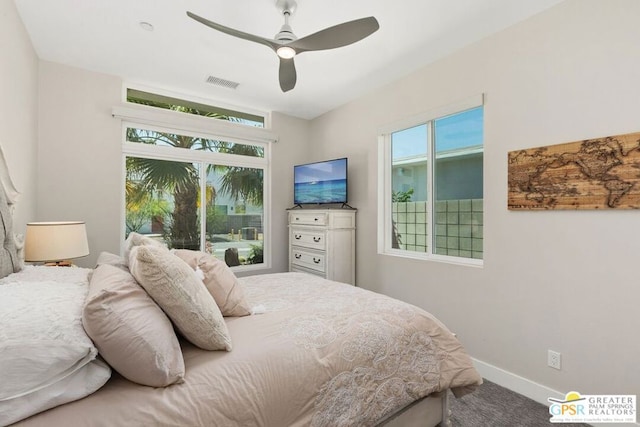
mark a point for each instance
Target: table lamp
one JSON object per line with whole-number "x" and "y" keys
{"x": 54, "y": 243}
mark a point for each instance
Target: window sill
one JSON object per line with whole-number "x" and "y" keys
{"x": 466, "y": 262}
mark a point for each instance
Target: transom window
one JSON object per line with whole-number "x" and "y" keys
{"x": 431, "y": 196}
{"x": 136, "y": 96}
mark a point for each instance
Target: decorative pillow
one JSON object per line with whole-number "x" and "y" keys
{"x": 42, "y": 343}
{"x": 12, "y": 253}
{"x": 136, "y": 239}
{"x": 175, "y": 287}
{"x": 131, "y": 332}
{"x": 222, "y": 284}
{"x": 10, "y": 261}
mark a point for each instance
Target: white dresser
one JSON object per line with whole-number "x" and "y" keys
{"x": 323, "y": 242}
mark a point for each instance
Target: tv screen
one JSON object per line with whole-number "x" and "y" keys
{"x": 320, "y": 182}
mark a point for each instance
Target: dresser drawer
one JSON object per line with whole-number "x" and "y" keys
{"x": 308, "y": 259}
{"x": 308, "y": 238}
{"x": 307, "y": 218}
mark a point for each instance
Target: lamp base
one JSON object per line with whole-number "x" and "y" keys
{"x": 59, "y": 264}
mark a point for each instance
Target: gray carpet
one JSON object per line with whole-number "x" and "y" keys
{"x": 494, "y": 406}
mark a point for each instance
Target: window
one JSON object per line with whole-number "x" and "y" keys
{"x": 196, "y": 190}
{"x": 432, "y": 186}
{"x": 136, "y": 96}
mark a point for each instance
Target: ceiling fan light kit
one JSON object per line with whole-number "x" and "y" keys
{"x": 286, "y": 45}
{"x": 286, "y": 52}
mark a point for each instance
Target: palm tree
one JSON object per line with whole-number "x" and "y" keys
{"x": 181, "y": 179}
{"x": 141, "y": 205}
{"x": 241, "y": 182}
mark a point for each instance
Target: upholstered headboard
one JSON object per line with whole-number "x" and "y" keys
{"x": 10, "y": 262}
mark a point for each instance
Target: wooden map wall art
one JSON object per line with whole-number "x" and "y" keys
{"x": 601, "y": 173}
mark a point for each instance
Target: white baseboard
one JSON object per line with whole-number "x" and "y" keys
{"x": 526, "y": 387}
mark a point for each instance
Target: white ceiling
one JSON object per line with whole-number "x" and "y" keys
{"x": 180, "y": 53}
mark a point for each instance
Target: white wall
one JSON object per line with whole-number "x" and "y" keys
{"x": 19, "y": 110}
{"x": 566, "y": 281}
{"x": 80, "y": 167}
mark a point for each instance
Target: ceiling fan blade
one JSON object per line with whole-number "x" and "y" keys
{"x": 273, "y": 44}
{"x": 288, "y": 75}
{"x": 337, "y": 36}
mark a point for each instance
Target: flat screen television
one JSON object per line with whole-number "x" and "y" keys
{"x": 320, "y": 182}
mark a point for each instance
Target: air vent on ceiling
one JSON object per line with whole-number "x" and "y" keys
{"x": 222, "y": 82}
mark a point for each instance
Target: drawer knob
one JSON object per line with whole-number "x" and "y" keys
{"x": 317, "y": 239}
{"x": 297, "y": 236}
{"x": 316, "y": 260}
{"x": 297, "y": 219}
{"x": 315, "y": 219}
{"x": 298, "y": 256}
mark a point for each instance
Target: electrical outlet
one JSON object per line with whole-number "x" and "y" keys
{"x": 554, "y": 359}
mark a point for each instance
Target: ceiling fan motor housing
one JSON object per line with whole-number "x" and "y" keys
{"x": 285, "y": 34}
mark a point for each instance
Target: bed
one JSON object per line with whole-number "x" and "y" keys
{"x": 283, "y": 349}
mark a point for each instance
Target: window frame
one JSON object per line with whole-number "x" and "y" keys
{"x": 256, "y": 137}
{"x": 385, "y": 166}
{"x": 215, "y": 104}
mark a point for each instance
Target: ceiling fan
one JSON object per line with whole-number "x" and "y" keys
{"x": 287, "y": 45}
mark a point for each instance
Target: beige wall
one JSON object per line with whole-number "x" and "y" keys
{"x": 80, "y": 167}
{"x": 80, "y": 157}
{"x": 292, "y": 148}
{"x": 566, "y": 281}
{"x": 19, "y": 110}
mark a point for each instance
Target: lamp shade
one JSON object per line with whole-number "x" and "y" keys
{"x": 55, "y": 241}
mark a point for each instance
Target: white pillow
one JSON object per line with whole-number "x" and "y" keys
{"x": 77, "y": 385}
{"x": 42, "y": 341}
